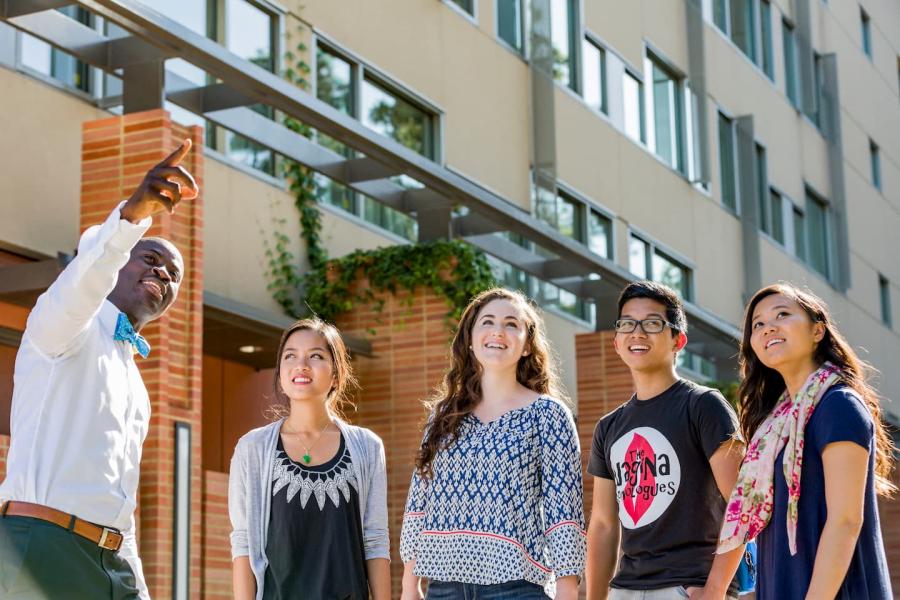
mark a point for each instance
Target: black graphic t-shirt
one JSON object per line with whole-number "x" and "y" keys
{"x": 657, "y": 452}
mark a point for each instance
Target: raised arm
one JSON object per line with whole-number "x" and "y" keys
{"x": 63, "y": 312}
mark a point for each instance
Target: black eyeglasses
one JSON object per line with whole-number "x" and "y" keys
{"x": 653, "y": 325}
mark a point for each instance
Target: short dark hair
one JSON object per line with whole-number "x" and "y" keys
{"x": 660, "y": 293}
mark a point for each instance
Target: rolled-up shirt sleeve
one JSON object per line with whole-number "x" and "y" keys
{"x": 562, "y": 493}
{"x": 63, "y": 312}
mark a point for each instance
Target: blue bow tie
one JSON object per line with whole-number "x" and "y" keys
{"x": 126, "y": 333}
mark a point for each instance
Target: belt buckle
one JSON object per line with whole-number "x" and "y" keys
{"x": 104, "y": 539}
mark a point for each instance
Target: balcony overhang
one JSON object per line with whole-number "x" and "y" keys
{"x": 153, "y": 37}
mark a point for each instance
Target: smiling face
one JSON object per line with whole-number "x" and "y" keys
{"x": 306, "y": 368}
{"x": 782, "y": 333}
{"x": 643, "y": 351}
{"x": 499, "y": 335}
{"x": 148, "y": 283}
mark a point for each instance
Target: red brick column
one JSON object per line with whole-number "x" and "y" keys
{"x": 410, "y": 354}
{"x": 116, "y": 152}
{"x": 603, "y": 383}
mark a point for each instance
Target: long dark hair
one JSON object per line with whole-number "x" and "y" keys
{"x": 761, "y": 387}
{"x": 344, "y": 380}
{"x": 460, "y": 391}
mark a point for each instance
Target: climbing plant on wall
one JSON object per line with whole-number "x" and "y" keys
{"x": 454, "y": 270}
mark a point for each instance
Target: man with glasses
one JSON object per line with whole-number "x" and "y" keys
{"x": 663, "y": 464}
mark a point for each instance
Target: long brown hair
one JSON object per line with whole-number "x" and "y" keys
{"x": 344, "y": 380}
{"x": 761, "y": 386}
{"x": 460, "y": 391}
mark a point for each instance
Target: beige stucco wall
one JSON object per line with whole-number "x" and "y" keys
{"x": 40, "y": 177}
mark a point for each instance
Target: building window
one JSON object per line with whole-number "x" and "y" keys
{"x": 728, "y": 163}
{"x": 39, "y": 56}
{"x": 633, "y": 107}
{"x": 351, "y": 88}
{"x": 593, "y": 82}
{"x": 665, "y": 113}
{"x": 737, "y": 19}
{"x": 743, "y": 26}
{"x": 875, "y": 159}
{"x": 817, "y": 234}
{"x": 599, "y": 234}
{"x": 799, "y": 233}
{"x": 762, "y": 186}
{"x": 774, "y": 226}
{"x": 467, "y": 6}
{"x": 569, "y": 216}
{"x": 648, "y": 262}
{"x": 866, "y": 25}
{"x": 765, "y": 29}
{"x": 791, "y": 84}
{"x": 564, "y": 38}
{"x": 884, "y": 292}
{"x": 576, "y": 219}
{"x": 250, "y": 33}
{"x": 510, "y": 24}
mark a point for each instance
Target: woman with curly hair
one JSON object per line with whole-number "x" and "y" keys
{"x": 818, "y": 458}
{"x": 495, "y": 505}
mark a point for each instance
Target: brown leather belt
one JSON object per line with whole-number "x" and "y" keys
{"x": 105, "y": 537}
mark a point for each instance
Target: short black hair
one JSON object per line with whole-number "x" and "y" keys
{"x": 660, "y": 293}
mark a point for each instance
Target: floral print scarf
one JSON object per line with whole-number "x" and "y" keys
{"x": 752, "y": 500}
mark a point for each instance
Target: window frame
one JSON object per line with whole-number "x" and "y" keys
{"x": 865, "y": 22}
{"x": 602, "y": 49}
{"x": 732, "y": 125}
{"x": 470, "y": 16}
{"x": 523, "y": 29}
{"x": 884, "y": 298}
{"x": 792, "y": 88}
{"x": 628, "y": 71}
{"x": 875, "y": 165}
{"x": 654, "y": 248}
{"x": 767, "y": 44}
{"x": 575, "y": 34}
{"x": 812, "y": 197}
{"x": 678, "y": 129}
{"x": 362, "y": 71}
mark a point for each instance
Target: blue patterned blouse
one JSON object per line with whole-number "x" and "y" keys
{"x": 505, "y": 502}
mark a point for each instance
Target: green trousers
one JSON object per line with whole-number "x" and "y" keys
{"x": 40, "y": 560}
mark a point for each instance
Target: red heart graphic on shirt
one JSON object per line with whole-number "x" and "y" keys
{"x": 635, "y": 504}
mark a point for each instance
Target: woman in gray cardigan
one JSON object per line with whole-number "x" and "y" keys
{"x": 307, "y": 494}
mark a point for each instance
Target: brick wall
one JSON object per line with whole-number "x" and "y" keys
{"x": 603, "y": 383}
{"x": 116, "y": 152}
{"x": 411, "y": 352}
{"x": 889, "y": 513}
{"x": 215, "y": 543}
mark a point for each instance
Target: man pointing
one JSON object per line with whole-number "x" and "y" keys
{"x": 80, "y": 411}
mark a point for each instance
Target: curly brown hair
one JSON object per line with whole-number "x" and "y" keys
{"x": 761, "y": 386}
{"x": 344, "y": 380}
{"x": 460, "y": 390}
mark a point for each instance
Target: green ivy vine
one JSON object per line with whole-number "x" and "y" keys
{"x": 453, "y": 269}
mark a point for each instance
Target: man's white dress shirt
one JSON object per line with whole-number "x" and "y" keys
{"x": 80, "y": 411}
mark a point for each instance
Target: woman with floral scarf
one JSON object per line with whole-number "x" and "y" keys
{"x": 818, "y": 456}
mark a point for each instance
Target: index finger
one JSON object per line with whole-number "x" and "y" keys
{"x": 178, "y": 155}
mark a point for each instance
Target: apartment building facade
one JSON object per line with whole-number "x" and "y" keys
{"x": 714, "y": 145}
